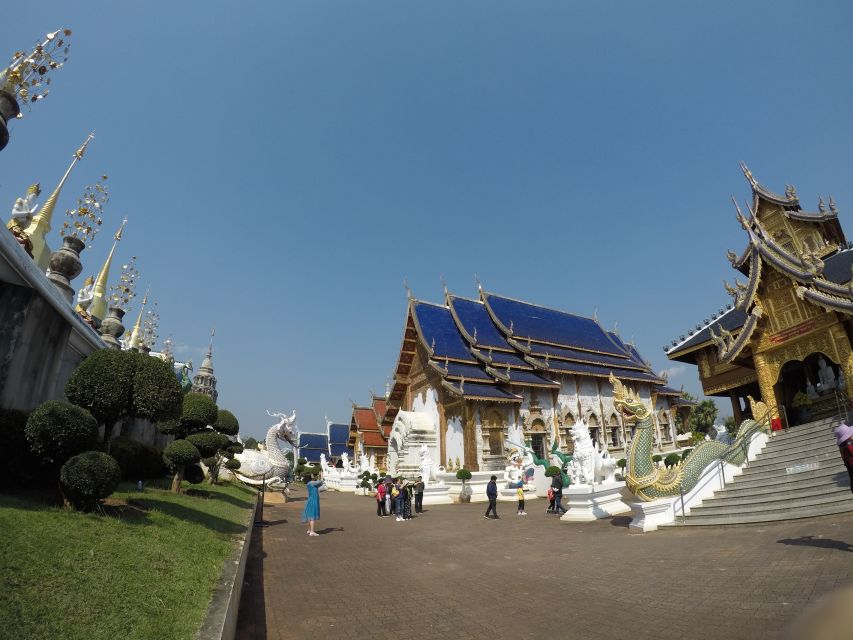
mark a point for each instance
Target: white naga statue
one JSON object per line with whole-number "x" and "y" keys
{"x": 589, "y": 465}
{"x": 279, "y": 465}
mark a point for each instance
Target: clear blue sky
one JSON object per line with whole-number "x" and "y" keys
{"x": 284, "y": 165}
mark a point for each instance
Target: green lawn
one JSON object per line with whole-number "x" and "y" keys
{"x": 146, "y": 570}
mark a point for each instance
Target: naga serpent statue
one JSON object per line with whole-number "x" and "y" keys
{"x": 649, "y": 482}
{"x": 278, "y": 464}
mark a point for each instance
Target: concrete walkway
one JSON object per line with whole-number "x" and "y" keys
{"x": 450, "y": 574}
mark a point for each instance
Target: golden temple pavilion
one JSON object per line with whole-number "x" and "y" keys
{"x": 786, "y": 336}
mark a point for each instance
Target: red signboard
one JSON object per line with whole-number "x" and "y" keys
{"x": 797, "y": 330}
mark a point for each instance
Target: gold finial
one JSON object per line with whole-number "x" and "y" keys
{"x": 99, "y": 299}
{"x": 136, "y": 336}
{"x": 29, "y": 72}
{"x": 732, "y": 256}
{"x": 40, "y": 225}
{"x": 34, "y": 189}
{"x": 748, "y": 174}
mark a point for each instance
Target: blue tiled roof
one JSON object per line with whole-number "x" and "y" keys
{"x": 549, "y": 325}
{"x": 475, "y": 320}
{"x": 338, "y": 433}
{"x": 468, "y": 371}
{"x": 439, "y": 331}
{"x": 528, "y": 377}
{"x": 836, "y": 268}
{"x": 595, "y": 370}
{"x": 504, "y": 358}
{"x": 667, "y": 391}
{"x": 475, "y": 390}
{"x": 311, "y": 455}
{"x": 313, "y": 441}
{"x": 538, "y": 350}
{"x": 337, "y": 449}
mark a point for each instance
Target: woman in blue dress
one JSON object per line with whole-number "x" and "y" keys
{"x": 312, "y": 506}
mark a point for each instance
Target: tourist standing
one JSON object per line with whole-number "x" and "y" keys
{"x": 557, "y": 486}
{"x": 492, "y": 495}
{"x": 519, "y": 492}
{"x": 419, "y": 495}
{"x": 407, "y": 500}
{"x": 550, "y": 508}
{"x": 311, "y": 513}
{"x": 844, "y": 440}
{"x": 380, "y": 499}
{"x": 397, "y": 494}
{"x": 389, "y": 505}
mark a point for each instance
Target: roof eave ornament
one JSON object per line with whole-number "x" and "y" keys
{"x": 748, "y": 174}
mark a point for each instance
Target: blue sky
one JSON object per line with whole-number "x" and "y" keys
{"x": 285, "y": 165}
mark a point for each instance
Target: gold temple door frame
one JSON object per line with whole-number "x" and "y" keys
{"x": 833, "y": 343}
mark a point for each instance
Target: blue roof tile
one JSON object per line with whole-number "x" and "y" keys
{"x": 476, "y": 321}
{"x": 539, "y": 350}
{"x": 595, "y": 370}
{"x": 549, "y": 325}
{"x": 468, "y": 371}
{"x": 475, "y": 390}
{"x": 337, "y": 449}
{"x": 440, "y": 332}
{"x": 313, "y": 441}
{"x": 338, "y": 433}
{"x": 530, "y": 378}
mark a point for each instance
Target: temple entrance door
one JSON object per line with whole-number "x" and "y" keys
{"x": 537, "y": 443}
{"x": 806, "y": 388}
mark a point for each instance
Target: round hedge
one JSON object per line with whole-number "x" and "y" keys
{"x": 198, "y": 411}
{"x": 171, "y": 428}
{"x": 57, "y": 430}
{"x": 157, "y": 394}
{"x": 233, "y": 465}
{"x": 234, "y": 447}
{"x": 181, "y": 452}
{"x": 463, "y": 474}
{"x": 88, "y": 478}
{"x": 226, "y": 422}
{"x": 671, "y": 460}
{"x": 208, "y": 442}
{"x": 251, "y": 443}
{"x": 103, "y": 384}
{"x": 136, "y": 460}
{"x": 552, "y": 471}
{"x": 685, "y": 453}
{"x": 193, "y": 474}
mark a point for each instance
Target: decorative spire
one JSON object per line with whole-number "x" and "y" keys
{"x": 204, "y": 381}
{"x": 832, "y": 206}
{"x": 408, "y": 290}
{"x": 748, "y": 174}
{"x": 99, "y": 304}
{"x": 40, "y": 225}
{"x": 444, "y": 286}
{"x": 136, "y": 334}
{"x": 820, "y": 205}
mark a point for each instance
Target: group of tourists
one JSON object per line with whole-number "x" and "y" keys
{"x": 394, "y": 497}
{"x": 555, "y": 497}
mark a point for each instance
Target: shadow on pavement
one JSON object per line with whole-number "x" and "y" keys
{"x": 329, "y": 530}
{"x": 620, "y": 521}
{"x": 252, "y": 617}
{"x": 811, "y": 541}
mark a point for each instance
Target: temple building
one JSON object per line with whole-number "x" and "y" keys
{"x": 786, "y": 336}
{"x": 475, "y": 376}
{"x": 338, "y": 437}
{"x": 366, "y": 436}
{"x": 204, "y": 381}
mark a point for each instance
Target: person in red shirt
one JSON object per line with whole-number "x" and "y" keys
{"x": 380, "y": 500}
{"x": 844, "y": 440}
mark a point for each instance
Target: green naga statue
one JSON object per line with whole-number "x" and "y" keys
{"x": 565, "y": 459}
{"x": 649, "y": 482}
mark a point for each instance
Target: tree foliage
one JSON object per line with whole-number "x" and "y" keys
{"x": 208, "y": 442}
{"x": 113, "y": 384}
{"x": 251, "y": 443}
{"x": 57, "y": 430}
{"x": 226, "y": 422}
{"x": 703, "y": 415}
{"x": 198, "y": 411}
{"x": 88, "y": 478}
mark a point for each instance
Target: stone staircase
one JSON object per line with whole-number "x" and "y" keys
{"x": 799, "y": 474}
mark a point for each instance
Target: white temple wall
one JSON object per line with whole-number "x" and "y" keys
{"x": 588, "y": 393}
{"x": 427, "y": 402}
{"x": 453, "y": 441}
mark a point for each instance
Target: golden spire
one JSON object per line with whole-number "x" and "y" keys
{"x": 40, "y": 225}
{"x": 98, "y": 309}
{"x": 136, "y": 334}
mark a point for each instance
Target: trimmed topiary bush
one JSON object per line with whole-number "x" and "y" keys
{"x": 208, "y": 442}
{"x": 157, "y": 394}
{"x": 552, "y": 471}
{"x": 657, "y": 458}
{"x": 463, "y": 474}
{"x": 57, "y": 430}
{"x": 671, "y": 460}
{"x": 251, "y": 443}
{"x": 685, "y": 453}
{"x": 233, "y": 465}
{"x": 136, "y": 460}
{"x": 621, "y": 463}
{"x": 226, "y": 422}
{"x": 88, "y": 478}
{"x": 178, "y": 455}
{"x": 198, "y": 412}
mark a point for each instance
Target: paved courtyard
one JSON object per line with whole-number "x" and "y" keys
{"x": 451, "y": 574}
